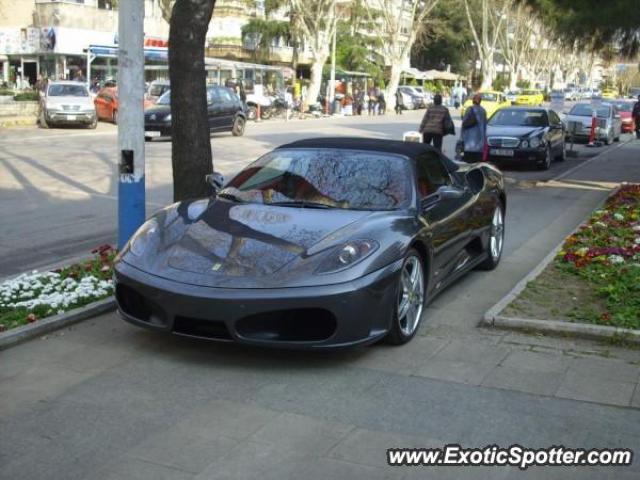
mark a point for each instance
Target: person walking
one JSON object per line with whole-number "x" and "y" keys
{"x": 436, "y": 123}
{"x": 382, "y": 103}
{"x": 474, "y": 131}
{"x": 636, "y": 116}
{"x": 399, "y": 102}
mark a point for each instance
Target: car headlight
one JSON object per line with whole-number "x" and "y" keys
{"x": 140, "y": 239}
{"x": 535, "y": 142}
{"x": 524, "y": 144}
{"x": 347, "y": 255}
{"x": 167, "y": 118}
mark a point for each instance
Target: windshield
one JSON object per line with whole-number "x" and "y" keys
{"x": 489, "y": 97}
{"x": 519, "y": 118}
{"x": 529, "y": 92}
{"x": 165, "y": 99}
{"x": 68, "y": 91}
{"x": 157, "y": 89}
{"x": 335, "y": 178}
{"x": 585, "y": 110}
{"x": 624, "y": 106}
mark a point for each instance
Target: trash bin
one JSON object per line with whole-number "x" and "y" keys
{"x": 412, "y": 137}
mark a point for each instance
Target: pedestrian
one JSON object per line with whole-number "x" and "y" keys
{"x": 436, "y": 123}
{"x": 382, "y": 103}
{"x": 399, "y": 102}
{"x": 373, "y": 102}
{"x": 474, "y": 131}
{"x": 636, "y": 116}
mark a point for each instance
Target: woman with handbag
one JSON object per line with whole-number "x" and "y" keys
{"x": 436, "y": 123}
{"x": 473, "y": 135}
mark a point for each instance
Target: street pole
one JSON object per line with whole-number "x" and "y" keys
{"x": 131, "y": 191}
{"x": 332, "y": 81}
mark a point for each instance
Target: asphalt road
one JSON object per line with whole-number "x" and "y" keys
{"x": 105, "y": 400}
{"x": 58, "y": 187}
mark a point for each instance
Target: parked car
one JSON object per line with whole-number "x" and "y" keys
{"x": 67, "y": 103}
{"x": 634, "y": 92}
{"x": 571, "y": 94}
{"x": 321, "y": 243}
{"x": 532, "y": 98}
{"x": 491, "y": 101}
{"x": 511, "y": 96}
{"x": 225, "y": 112}
{"x": 410, "y": 99}
{"x": 107, "y": 105}
{"x": 610, "y": 93}
{"x": 609, "y": 123}
{"x": 156, "y": 89}
{"x": 625, "y": 109}
{"x": 418, "y": 97}
{"x": 428, "y": 97}
{"x": 525, "y": 134}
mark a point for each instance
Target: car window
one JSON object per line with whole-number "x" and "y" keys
{"x": 339, "y": 178}
{"x": 519, "y": 118}
{"x": 225, "y": 96}
{"x": 431, "y": 174}
{"x": 67, "y": 91}
{"x": 555, "y": 119}
{"x": 585, "y": 110}
{"x": 489, "y": 97}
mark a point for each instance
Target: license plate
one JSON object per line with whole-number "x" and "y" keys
{"x": 502, "y": 152}
{"x": 151, "y": 134}
{"x": 71, "y": 117}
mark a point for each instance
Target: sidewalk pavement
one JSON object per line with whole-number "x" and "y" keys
{"x": 105, "y": 400}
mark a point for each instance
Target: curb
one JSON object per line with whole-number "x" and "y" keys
{"x": 492, "y": 317}
{"x": 17, "y": 122}
{"x": 27, "y": 332}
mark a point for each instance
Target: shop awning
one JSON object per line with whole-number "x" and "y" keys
{"x": 442, "y": 75}
{"x": 417, "y": 74}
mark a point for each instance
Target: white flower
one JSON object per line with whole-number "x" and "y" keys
{"x": 637, "y": 241}
{"x": 618, "y": 216}
{"x": 636, "y": 228}
{"x": 616, "y": 259}
{"x": 600, "y": 225}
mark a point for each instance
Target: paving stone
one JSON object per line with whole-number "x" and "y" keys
{"x": 189, "y": 453}
{"x": 474, "y": 352}
{"x": 457, "y": 473}
{"x": 302, "y": 433}
{"x": 259, "y": 461}
{"x": 231, "y": 419}
{"x": 606, "y": 368}
{"x": 635, "y": 400}
{"x": 469, "y": 373}
{"x": 578, "y": 386}
{"x": 369, "y": 447}
{"x": 549, "y": 362}
{"x": 524, "y": 380}
{"x": 328, "y": 468}
{"x": 128, "y": 468}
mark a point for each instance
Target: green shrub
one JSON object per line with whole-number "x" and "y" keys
{"x": 27, "y": 97}
{"x": 8, "y": 93}
{"x": 523, "y": 84}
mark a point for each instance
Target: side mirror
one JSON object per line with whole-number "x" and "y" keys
{"x": 449, "y": 193}
{"x": 475, "y": 180}
{"x": 215, "y": 180}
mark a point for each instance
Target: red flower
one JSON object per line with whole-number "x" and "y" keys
{"x": 31, "y": 318}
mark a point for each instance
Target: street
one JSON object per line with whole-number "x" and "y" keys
{"x": 105, "y": 400}
{"x": 58, "y": 187}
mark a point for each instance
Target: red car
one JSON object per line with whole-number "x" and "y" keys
{"x": 106, "y": 103}
{"x": 626, "y": 109}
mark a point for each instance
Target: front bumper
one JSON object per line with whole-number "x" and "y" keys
{"x": 536, "y": 155}
{"x": 70, "y": 118}
{"x": 163, "y": 128}
{"x": 331, "y": 316}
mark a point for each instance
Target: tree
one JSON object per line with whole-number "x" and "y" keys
{"x": 317, "y": 22}
{"x": 446, "y": 40}
{"x": 262, "y": 33}
{"x": 190, "y": 142}
{"x": 593, "y": 23}
{"x": 399, "y": 24}
{"x": 166, "y": 6}
{"x": 486, "y": 28}
{"x": 628, "y": 77}
{"x": 515, "y": 40}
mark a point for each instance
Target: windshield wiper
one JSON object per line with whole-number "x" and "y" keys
{"x": 299, "y": 203}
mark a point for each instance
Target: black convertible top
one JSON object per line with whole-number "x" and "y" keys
{"x": 409, "y": 149}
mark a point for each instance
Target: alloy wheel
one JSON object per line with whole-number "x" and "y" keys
{"x": 411, "y": 295}
{"x": 497, "y": 234}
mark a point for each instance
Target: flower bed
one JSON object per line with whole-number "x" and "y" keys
{"x": 596, "y": 276}
{"x": 37, "y": 295}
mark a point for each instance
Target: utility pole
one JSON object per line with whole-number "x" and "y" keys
{"x": 332, "y": 80}
{"x": 131, "y": 190}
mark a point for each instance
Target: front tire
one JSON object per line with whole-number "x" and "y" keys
{"x": 238, "y": 127}
{"x": 114, "y": 117}
{"x": 496, "y": 240}
{"x": 547, "y": 159}
{"x": 563, "y": 153}
{"x": 93, "y": 124}
{"x": 410, "y": 300}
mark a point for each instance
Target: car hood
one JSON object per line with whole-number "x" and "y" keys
{"x": 219, "y": 243}
{"x": 84, "y": 103}
{"x": 586, "y": 121}
{"x": 160, "y": 110}
{"x": 507, "y": 131}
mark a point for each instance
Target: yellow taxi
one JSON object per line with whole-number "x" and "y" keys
{"x": 609, "y": 93}
{"x": 491, "y": 101}
{"x": 530, "y": 98}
